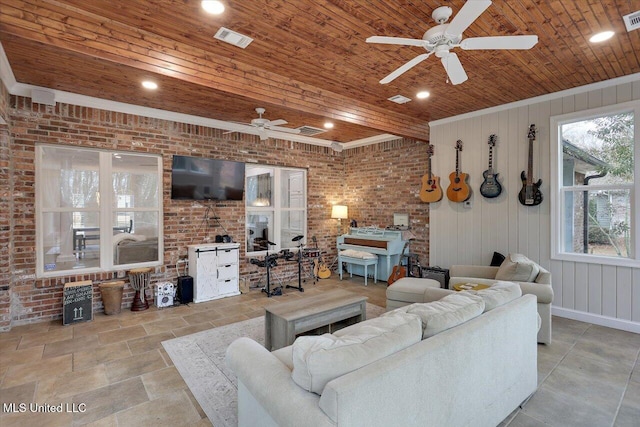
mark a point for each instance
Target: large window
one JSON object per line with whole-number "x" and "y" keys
{"x": 276, "y": 206}
{"x": 96, "y": 210}
{"x": 595, "y": 215}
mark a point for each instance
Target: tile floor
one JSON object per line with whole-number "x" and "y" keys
{"x": 113, "y": 370}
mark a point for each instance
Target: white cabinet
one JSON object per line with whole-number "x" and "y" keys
{"x": 214, "y": 268}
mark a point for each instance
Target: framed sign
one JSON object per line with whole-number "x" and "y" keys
{"x": 77, "y": 302}
{"x": 401, "y": 220}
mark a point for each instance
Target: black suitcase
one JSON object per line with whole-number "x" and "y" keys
{"x": 438, "y": 274}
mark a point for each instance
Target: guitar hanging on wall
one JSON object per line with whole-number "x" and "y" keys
{"x": 458, "y": 190}
{"x": 430, "y": 191}
{"x": 490, "y": 187}
{"x": 530, "y": 194}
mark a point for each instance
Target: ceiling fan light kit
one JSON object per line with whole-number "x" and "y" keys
{"x": 440, "y": 39}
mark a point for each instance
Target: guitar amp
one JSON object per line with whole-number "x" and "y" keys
{"x": 438, "y": 274}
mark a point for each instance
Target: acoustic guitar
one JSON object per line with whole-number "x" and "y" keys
{"x": 458, "y": 190}
{"x": 530, "y": 194}
{"x": 490, "y": 187}
{"x": 320, "y": 269}
{"x": 430, "y": 191}
{"x": 398, "y": 271}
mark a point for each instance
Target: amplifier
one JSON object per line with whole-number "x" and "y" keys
{"x": 185, "y": 289}
{"x": 436, "y": 273}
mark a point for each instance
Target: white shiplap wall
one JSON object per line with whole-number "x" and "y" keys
{"x": 600, "y": 294}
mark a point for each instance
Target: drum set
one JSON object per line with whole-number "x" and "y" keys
{"x": 271, "y": 260}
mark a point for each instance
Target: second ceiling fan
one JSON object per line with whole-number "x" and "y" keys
{"x": 440, "y": 39}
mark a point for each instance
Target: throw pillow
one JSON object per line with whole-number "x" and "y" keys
{"x": 497, "y": 259}
{"x": 450, "y": 311}
{"x": 518, "y": 268}
{"x": 320, "y": 359}
{"x": 498, "y": 294}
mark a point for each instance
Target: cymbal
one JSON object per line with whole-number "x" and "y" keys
{"x": 295, "y": 239}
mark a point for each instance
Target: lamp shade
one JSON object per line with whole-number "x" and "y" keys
{"x": 339, "y": 212}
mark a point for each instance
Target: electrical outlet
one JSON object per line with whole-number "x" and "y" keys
{"x": 468, "y": 204}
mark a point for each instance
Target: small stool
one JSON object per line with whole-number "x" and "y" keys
{"x": 359, "y": 261}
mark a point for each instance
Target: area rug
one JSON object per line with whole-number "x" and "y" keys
{"x": 199, "y": 358}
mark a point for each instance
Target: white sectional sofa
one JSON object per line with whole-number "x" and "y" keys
{"x": 472, "y": 374}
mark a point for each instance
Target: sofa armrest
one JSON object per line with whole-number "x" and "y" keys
{"x": 480, "y": 271}
{"x": 542, "y": 291}
{"x": 269, "y": 382}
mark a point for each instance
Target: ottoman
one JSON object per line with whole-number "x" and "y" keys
{"x": 409, "y": 290}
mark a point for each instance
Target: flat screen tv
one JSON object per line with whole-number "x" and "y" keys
{"x": 197, "y": 178}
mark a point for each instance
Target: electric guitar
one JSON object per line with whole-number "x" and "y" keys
{"x": 458, "y": 190}
{"x": 430, "y": 190}
{"x": 530, "y": 194}
{"x": 398, "y": 271}
{"x": 490, "y": 187}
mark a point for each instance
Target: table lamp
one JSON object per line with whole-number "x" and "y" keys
{"x": 339, "y": 212}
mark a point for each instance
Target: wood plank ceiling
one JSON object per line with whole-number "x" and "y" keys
{"x": 309, "y": 61}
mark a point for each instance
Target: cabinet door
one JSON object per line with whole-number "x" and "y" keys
{"x": 207, "y": 275}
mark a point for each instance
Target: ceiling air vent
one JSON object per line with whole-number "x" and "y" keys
{"x": 399, "y": 99}
{"x": 632, "y": 21}
{"x": 310, "y": 131}
{"x": 231, "y": 37}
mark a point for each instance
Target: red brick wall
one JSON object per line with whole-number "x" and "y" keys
{"x": 384, "y": 179}
{"x": 374, "y": 181}
{"x": 5, "y": 212}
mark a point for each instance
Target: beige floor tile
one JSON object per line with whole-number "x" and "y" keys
{"x": 122, "y": 334}
{"x": 63, "y": 387}
{"x": 58, "y": 348}
{"x": 231, "y": 319}
{"x": 9, "y": 344}
{"x": 133, "y": 366}
{"x": 20, "y": 357}
{"x": 203, "y": 316}
{"x": 40, "y": 338}
{"x": 629, "y": 413}
{"x": 173, "y": 409}
{"x": 95, "y": 327}
{"x": 195, "y": 403}
{"x": 148, "y": 343}
{"x": 24, "y": 393}
{"x": 37, "y": 419}
{"x": 109, "y": 421}
{"x": 164, "y": 325}
{"x": 106, "y": 353}
{"x": 18, "y": 331}
{"x": 523, "y": 420}
{"x": 167, "y": 380}
{"x": 21, "y": 374}
{"x": 109, "y": 400}
{"x": 180, "y": 332}
{"x": 139, "y": 318}
{"x": 165, "y": 357}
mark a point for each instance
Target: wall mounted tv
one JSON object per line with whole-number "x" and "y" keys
{"x": 197, "y": 178}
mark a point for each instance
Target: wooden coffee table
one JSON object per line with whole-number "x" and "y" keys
{"x": 316, "y": 315}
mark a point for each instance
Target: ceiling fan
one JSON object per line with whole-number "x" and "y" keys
{"x": 263, "y": 125}
{"x": 444, "y": 37}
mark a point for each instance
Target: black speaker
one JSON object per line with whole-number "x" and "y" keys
{"x": 439, "y": 274}
{"x": 185, "y": 289}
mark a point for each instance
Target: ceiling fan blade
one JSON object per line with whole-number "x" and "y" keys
{"x": 277, "y": 122}
{"x": 282, "y": 129}
{"x": 406, "y": 67}
{"x": 465, "y": 17}
{"x": 454, "y": 69}
{"x": 499, "y": 42}
{"x": 396, "y": 40}
{"x": 262, "y": 133}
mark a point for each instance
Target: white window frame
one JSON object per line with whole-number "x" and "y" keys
{"x": 559, "y": 191}
{"x": 106, "y": 212}
{"x": 276, "y": 207}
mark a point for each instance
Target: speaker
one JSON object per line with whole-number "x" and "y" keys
{"x": 164, "y": 294}
{"x": 185, "y": 289}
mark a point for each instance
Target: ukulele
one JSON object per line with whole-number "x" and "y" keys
{"x": 430, "y": 190}
{"x": 458, "y": 190}
{"x": 398, "y": 271}
{"x": 530, "y": 194}
{"x": 490, "y": 187}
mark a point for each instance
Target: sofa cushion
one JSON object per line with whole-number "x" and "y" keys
{"x": 498, "y": 294}
{"x": 357, "y": 254}
{"x": 444, "y": 314}
{"x": 320, "y": 359}
{"x": 518, "y": 268}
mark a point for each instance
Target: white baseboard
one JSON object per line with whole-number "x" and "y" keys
{"x": 596, "y": 319}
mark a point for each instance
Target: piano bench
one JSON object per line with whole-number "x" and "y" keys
{"x": 359, "y": 261}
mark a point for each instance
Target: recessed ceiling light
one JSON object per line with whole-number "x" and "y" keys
{"x": 600, "y": 37}
{"x": 147, "y": 84}
{"x": 213, "y": 7}
{"x": 328, "y": 125}
{"x": 422, "y": 94}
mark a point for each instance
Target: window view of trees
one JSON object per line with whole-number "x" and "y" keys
{"x": 598, "y": 153}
